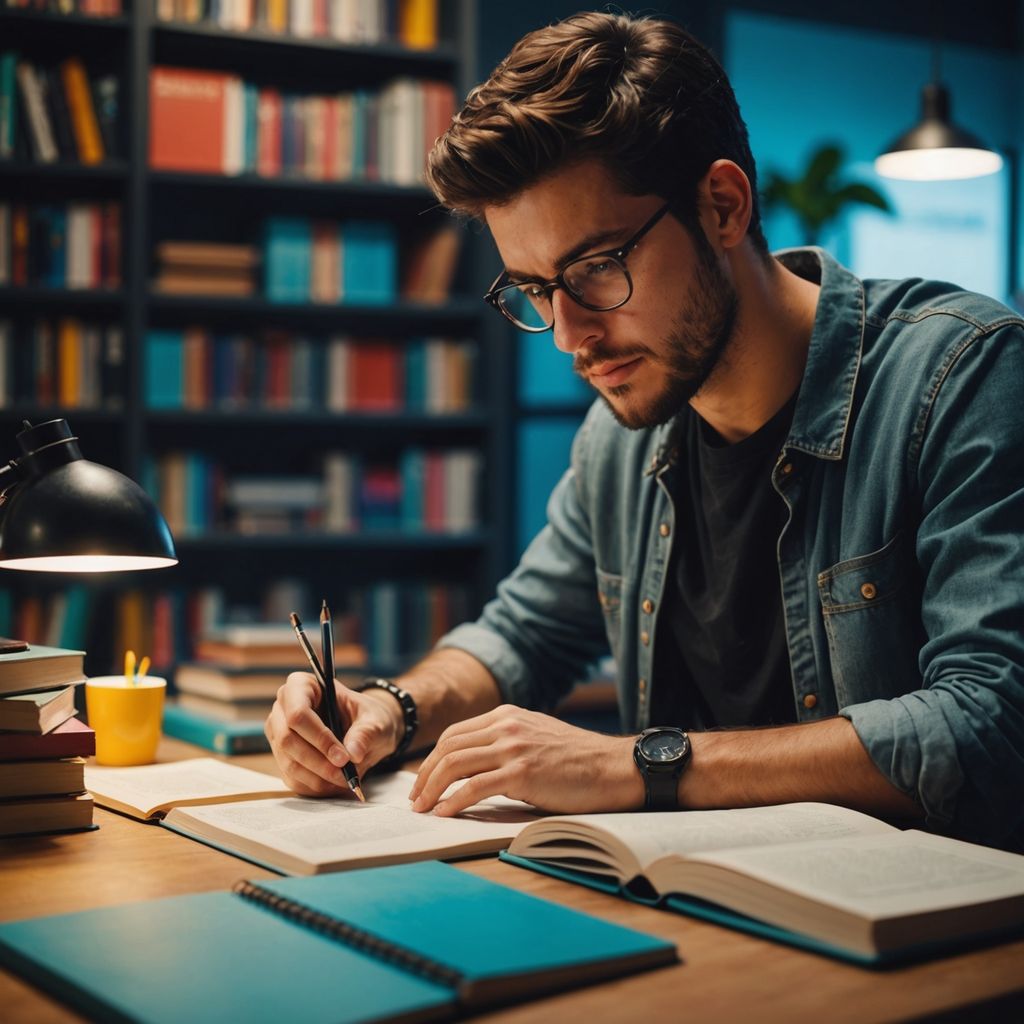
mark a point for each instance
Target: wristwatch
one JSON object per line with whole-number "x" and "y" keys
{"x": 410, "y": 719}
{"x": 662, "y": 755}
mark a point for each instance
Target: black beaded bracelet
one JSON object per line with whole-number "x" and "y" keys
{"x": 410, "y": 718}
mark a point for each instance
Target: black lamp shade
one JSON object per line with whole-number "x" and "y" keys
{"x": 935, "y": 148}
{"x": 72, "y": 515}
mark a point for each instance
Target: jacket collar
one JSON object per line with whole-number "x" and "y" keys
{"x": 822, "y": 415}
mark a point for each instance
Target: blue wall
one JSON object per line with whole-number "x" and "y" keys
{"x": 800, "y": 83}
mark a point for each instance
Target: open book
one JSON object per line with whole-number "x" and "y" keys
{"x": 253, "y": 815}
{"x": 411, "y": 943}
{"x": 814, "y": 875}
{"x": 302, "y": 836}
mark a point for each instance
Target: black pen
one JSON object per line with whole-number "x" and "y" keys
{"x": 328, "y": 705}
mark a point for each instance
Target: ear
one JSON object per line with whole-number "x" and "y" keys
{"x": 725, "y": 203}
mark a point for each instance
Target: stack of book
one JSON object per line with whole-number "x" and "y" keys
{"x": 205, "y": 268}
{"x": 225, "y": 694}
{"x": 42, "y": 744}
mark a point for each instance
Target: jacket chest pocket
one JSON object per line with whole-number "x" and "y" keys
{"x": 871, "y": 609}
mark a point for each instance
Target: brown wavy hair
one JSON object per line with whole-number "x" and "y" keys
{"x": 639, "y": 94}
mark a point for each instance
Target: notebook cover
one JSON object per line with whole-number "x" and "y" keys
{"x": 453, "y": 917}
{"x": 206, "y": 959}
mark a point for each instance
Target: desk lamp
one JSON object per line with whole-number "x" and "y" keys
{"x": 61, "y": 513}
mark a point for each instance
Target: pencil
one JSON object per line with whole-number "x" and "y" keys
{"x": 328, "y": 705}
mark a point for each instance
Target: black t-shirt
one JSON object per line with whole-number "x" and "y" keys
{"x": 721, "y": 656}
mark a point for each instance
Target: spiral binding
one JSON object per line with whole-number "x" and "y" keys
{"x": 342, "y": 931}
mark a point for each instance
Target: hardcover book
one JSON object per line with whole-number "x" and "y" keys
{"x": 821, "y": 877}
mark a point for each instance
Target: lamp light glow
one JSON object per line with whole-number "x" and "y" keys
{"x": 61, "y": 513}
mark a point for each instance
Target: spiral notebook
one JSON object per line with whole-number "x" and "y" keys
{"x": 412, "y": 942}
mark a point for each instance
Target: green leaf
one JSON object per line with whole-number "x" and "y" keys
{"x": 857, "y": 192}
{"x": 824, "y": 164}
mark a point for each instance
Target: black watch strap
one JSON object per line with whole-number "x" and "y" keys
{"x": 410, "y": 718}
{"x": 661, "y": 791}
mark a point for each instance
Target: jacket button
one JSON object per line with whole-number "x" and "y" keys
{"x": 868, "y": 591}
{"x": 642, "y": 686}
{"x": 645, "y": 638}
{"x": 810, "y": 700}
{"x": 787, "y": 469}
{"x": 648, "y": 606}
{"x": 664, "y": 529}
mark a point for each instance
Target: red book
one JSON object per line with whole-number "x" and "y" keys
{"x": 19, "y": 244}
{"x": 187, "y": 111}
{"x": 433, "y": 491}
{"x": 72, "y": 738}
{"x": 279, "y": 373}
{"x": 268, "y": 156}
{"x": 112, "y": 245}
{"x": 375, "y": 377}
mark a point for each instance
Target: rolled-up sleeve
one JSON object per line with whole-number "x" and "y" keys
{"x": 957, "y": 743}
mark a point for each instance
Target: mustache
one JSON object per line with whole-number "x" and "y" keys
{"x": 582, "y": 363}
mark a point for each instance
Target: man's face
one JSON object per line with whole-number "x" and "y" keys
{"x": 652, "y": 355}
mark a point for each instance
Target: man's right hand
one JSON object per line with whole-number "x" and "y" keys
{"x": 309, "y": 756}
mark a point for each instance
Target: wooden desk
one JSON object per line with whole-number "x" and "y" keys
{"x": 726, "y": 976}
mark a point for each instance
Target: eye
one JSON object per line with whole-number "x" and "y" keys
{"x": 531, "y": 290}
{"x": 599, "y": 268}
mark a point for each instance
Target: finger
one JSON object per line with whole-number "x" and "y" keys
{"x": 479, "y": 787}
{"x": 448, "y": 744}
{"x": 299, "y": 700}
{"x": 459, "y": 764}
{"x": 307, "y": 783}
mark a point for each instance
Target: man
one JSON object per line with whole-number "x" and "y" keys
{"x": 798, "y": 506}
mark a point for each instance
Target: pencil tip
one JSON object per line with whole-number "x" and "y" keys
{"x": 359, "y": 793}
{"x": 294, "y": 620}
{"x": 325, "y": 612}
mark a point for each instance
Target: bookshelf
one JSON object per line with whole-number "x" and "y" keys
{"x": 224, "y": 572}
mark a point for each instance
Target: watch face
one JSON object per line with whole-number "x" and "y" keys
{"x": 663, "y": 747}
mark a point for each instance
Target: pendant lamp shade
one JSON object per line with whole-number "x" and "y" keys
{"x": 61, "y": 513}
{"x": 935, "y": 149}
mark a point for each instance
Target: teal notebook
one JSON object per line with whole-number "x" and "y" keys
{"x": 212, "y": 734}
{"x": 405, "y": 943}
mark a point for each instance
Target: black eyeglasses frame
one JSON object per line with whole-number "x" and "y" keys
{"x": 493, "y": 296}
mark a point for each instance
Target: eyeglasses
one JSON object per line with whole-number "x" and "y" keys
{"x": 599, "y": 282}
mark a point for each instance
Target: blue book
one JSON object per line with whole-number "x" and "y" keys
{"x": 211, "y": 734}
{"x": 164, "y": 386}
{"x": 250, "y": 96}
{"x": 287, "y": 259}
{"x": 412, "y": 467}
{"x": 412, "y": 942}
{"x": 8, "y": 104}
{"x": 370, "y": 262}
{"x": 819, "y": 877}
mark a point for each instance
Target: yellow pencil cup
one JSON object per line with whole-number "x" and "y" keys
{"x": 126, "y": 718}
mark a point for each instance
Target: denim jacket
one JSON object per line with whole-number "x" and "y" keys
{"x": 901, "y": 562}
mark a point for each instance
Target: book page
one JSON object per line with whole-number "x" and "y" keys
{"x": 885, "y": 876}
{"x": 147, "y": 789}
{"x": 652, "y": 835}
{"x": 300, "y": 834}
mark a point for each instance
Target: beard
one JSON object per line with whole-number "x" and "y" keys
{"x": 698, "y": 337}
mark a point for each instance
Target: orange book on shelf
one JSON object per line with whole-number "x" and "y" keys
{"x": 187, "y": 112}
{"x": 69, "y": 362}
{"x": 417, "y": 23}
{"x": 88, "y": 139}
{"x": 277, "y": 15}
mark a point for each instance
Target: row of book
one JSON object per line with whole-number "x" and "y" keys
{"x": 87, "y": 8}
{"x": 411, "y": 23}
{"x": 43, "y": 745}
{"x": 56, "y": 112}
{"x": 213, "y": 122}
{"x": 420, "y": 491}
{"x": 321, "y": 261}
{"x": 73, "y": 245}
{"x": 279, "y": 370}
{"x": 68, "y": 362}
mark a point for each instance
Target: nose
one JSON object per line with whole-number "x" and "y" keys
{"x": 574, "y": 326}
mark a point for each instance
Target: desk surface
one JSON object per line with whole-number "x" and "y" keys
{"x": 725, "y": 976}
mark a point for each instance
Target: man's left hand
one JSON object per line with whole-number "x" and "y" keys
{"x": 532, "y": 757}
